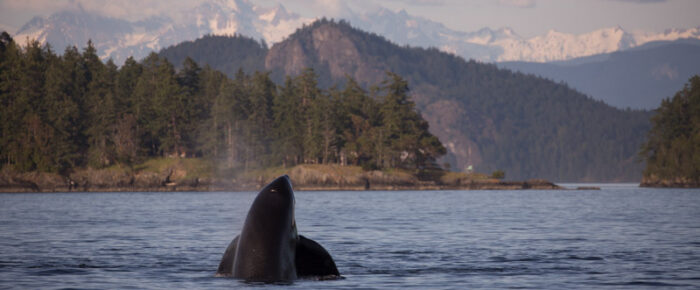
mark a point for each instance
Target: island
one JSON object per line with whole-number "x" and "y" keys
{"x": 672, "y": 149}
{"x": 189, "y": 174}
{"x": 71, "y": 122}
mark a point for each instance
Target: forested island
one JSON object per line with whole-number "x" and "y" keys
{"x": 488, "y": 118}
{"x": 672, "y": 151}
{"x": 73, "y": 122}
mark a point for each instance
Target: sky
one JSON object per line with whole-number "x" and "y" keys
{"x": 527, "y": 17}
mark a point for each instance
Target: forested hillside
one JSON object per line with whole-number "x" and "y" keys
{"x": 226, "y": 54}
{"x": 487, "y": 117}
{"x": 672, "y": 150}
{"x": 59, "y": 113}
{"x": 634, "y": 78}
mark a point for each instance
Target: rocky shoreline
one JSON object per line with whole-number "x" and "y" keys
{"x": 304, "y": 177}
{"x": 678, "y": 182}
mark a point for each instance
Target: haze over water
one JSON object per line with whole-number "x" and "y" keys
{"x": 618, "y": 237}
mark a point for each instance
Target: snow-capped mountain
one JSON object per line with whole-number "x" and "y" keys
{"x": 504, "y": 44}
{"x": 119, "y": 38}
{"x": 557, "y": 46}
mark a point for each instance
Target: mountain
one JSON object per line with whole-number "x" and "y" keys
{"x": 119, "y": 38}
{"x": 487, "y": 117}
{"x": 672, "y": 146}
{"x": 504, "y": 44}
{"x": 226, "y": 53}
{"x": 638, "y": 78}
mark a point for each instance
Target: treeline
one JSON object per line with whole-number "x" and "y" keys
{"x": 73, "y": 110}
{"x": 525, "y": 125}
{"x": 672, "y": 149}
{"x": 226, "y": 54}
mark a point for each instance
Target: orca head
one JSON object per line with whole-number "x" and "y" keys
{"x": 273, "y": 208}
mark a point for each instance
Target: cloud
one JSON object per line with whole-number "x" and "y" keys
{"x": 124, "y": 9}
{"x": 332, "y": 8}
{"x": 35, "y": 5}
{"x": 641, "y": 1}
{"x": 424, "y": 2}
{"x": 518, "y": 3}
{"x": 327, "y": 8}
{"x": 6, "y": 27}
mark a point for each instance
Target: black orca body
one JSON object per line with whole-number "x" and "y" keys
{"x": 269, "y": 248}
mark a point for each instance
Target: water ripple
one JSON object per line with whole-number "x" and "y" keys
{"x": 613, "y": 238}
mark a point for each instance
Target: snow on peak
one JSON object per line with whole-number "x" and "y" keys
{"x": 118, "y": 39}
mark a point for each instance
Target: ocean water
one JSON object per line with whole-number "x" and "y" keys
{"x": 619, "y": 237}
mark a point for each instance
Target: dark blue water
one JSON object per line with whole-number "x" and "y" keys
{"x": 619, "y": 237}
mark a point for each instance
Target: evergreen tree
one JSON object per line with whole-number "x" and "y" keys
{"x": 127, "y": 80}
{"x": 31, "y": 148}
{"x": 672, "y": 150}
{"x": 10, "y": 109}
{"x": 258, "y": 134}
{"x": 143, "y": 100}
{"x": 328, "y": 112}
{"x": 230, "y": 115}
{"x": 308, "y": 91}
{"x": 126, "y": 134}
{"x": 207, "y": 126}
{"x": 62, "y": 113}
{"x": 405, "y": 132}
{"x": 101, "y": 115}
{"x": 289, "y": 124}
{"x": 172, "y": 105}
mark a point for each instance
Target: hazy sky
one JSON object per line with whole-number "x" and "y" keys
{"x": 526, "y": 17}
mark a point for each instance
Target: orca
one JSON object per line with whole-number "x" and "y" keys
{"x": 269, "y": 249}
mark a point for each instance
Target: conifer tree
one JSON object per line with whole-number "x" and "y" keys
{"x": 409, "y": 143}
{"x": 672, "y": 150}
{"x": 32, "y": 145}
{"x": 10, "y": 116}
{"x": 289, "y": 121}
{"x": 143, "y": 100}
{"x": 101, "y": 115}
{"x": 171, "y": 107}
{"x": 308, "y": 91}
{"x": 62, "y": 114}
{"x": 258, "y": 134}
{"x": 205, "y": 124}
{"x": 127, "y": 79}
{"x": 362, "y": 115}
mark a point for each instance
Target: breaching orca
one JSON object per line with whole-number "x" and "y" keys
{"x": 269, "y": 248}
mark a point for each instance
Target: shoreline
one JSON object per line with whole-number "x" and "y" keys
{"x": 501, "y": 185}
{"x": 178, "y": 176}
{"x": 652, "y": 181}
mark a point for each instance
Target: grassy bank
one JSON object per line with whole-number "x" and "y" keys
{"x": 193, "y": 174}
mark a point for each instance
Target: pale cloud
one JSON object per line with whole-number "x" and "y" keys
{"x": 424, "y": 2}
{"x": 35, "y": 5}
{"x": 6, "y": 27}
{"x": 328, "y": 8}
{"x": 518, "y": 3}
{"x": 124, "y": 9}
{"x": 641, "y": 1}
{"x": 333, "y": 8}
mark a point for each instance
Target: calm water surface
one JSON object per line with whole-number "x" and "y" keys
{"x": 619, "y": 237}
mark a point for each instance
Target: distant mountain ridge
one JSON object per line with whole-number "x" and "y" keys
{"x": 487, "y": 117}
{"x": 638, "y": 78}
{"x": 119, "y": 38}
{"x": 227, "y": 54}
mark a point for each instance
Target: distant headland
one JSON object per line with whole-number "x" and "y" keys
{"x": 672, "y": 149}
{"x": 191, "y": 174}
